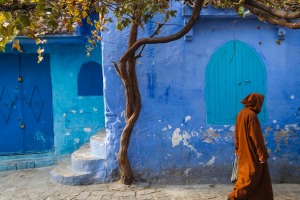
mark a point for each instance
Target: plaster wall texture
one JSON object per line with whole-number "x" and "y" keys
{"x": 75, "y": 118}
{"x": 171, "y": 141}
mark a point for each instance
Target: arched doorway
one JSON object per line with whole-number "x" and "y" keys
{"x": 234, "y": 71}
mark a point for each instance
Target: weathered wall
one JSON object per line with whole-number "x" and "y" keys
{"x": 171, "y": 141}
{"x": 75, "y": 118}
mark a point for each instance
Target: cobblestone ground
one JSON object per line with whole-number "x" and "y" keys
{"x": 35, "y": 184}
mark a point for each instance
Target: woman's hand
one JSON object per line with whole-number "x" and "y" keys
{"x": 262, "y": 161}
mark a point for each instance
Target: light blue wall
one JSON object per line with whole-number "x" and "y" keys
{"x": 75, "y": 118}
{"x": 171, "y": 140}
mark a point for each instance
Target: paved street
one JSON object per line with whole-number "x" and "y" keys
{"x": 35, "y": 184}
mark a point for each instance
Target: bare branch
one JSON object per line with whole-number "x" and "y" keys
{"x": 116, "y": 67}
{"x": 270, "y": 18}
{"x": 181, "y": 33}
{"x": 156, "y": 32}
{"x": 271, "y": 10}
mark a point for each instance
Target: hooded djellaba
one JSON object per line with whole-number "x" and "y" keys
{"x": 254, "y": 181}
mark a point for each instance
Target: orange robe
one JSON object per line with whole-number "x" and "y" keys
{"x": 254, "y": 182}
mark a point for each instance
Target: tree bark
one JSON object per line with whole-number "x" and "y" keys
{"x": 133, "y": 107}
{"x": 270, "y": 18}
{"x": 127, "y": 71}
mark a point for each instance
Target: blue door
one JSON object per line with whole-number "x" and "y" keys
{"x": 26, "y": 99}
{"x": 11, "y": 135}
{"x": 234, "y": 71}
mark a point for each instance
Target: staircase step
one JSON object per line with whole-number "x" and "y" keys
{"x": 63, "y": 174}
{"x": 86, "y": 166}
{"x": 85, "y": 162}
{"x": 98, "y": 145}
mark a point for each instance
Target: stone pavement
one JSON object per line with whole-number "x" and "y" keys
{"x": 35, "y": 184}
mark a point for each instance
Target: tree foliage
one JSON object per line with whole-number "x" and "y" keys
{"x": 37, "y": 18}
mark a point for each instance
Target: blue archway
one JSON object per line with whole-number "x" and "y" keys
{"x": 234, "y": 71}
{"x": 90, "y": 80}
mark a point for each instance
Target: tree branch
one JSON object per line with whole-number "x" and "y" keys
{"x": 155, "y": 33}
{"x": 14, "y": 7}
{"x": 270, "y": 18}
{"x": 158, "y": 40}
{"x": 271, "y": 10}
{"x": 116, "y": 67}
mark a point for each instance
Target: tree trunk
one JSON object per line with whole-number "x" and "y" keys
{"x": 133, "y": 107}
{"x": 127, "y": 71}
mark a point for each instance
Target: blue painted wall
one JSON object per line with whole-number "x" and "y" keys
{"x": 171, "y": 141}
{"x": 75, "y": 118}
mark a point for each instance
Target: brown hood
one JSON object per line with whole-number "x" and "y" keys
{"x": 254, "y": 101}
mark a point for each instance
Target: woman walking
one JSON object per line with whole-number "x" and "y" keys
{"x": 254, "y": 182}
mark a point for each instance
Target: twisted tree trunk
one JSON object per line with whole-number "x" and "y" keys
{"x": 133, "y": 106}
{"x": 126, "y": 69}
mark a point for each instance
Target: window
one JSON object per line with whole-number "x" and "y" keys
{"x": 90, "y": 80}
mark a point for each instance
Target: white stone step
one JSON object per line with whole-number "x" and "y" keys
{"x": 83, "y": 161}
{"x": 63, "y": 174}
{"x": 86, "y": 166}
{"x": 98, "y": 145}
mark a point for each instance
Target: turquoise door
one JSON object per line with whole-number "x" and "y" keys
{"x": 234, "y": 71}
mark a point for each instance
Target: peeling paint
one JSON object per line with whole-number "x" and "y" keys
{"x": 229, "y": 136}
{"x": 284, "y": 135}
{"x": 295, "y": 126}
{"x": 73, "y": 111}
{"x": 95, "y": 109}
{"x": 187, "y": 118}
{"x": 164, "y": 129}
{"x": 65, "y": 115}
{"x": 211, "y": 161}
{"x": 176, "y": 138}
{"x": 87, "y": 130}
{"x": 186, "y": 172}
{"x": 118, "y": 120}
{"x": 210, "y": 136}
{"x": 39, "y": 136}
{"x": 76, "y": 140}
{"x": 232, "y": 128}
{"x": 274, "y": 121}
{"x": 123, "y": 113}
{"x": 67, "y": 133}
{"x": 186, "y": 137}
{"x": 81, "y": 111}
{"x": 293, "y": 97}
{"x": 267, "y": 130}
{"x": 169, "y": 126}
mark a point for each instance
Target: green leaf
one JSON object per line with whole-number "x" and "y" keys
{"x": 278, "y": 42}
{"x": 22, "y": 22}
